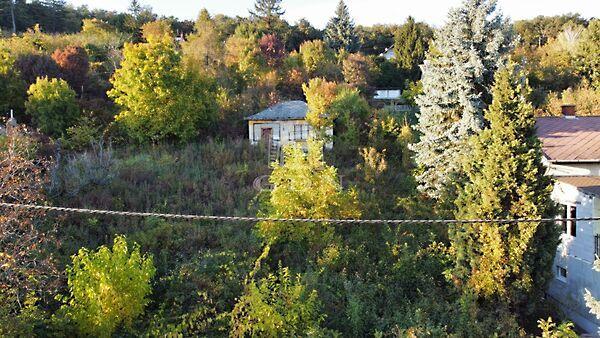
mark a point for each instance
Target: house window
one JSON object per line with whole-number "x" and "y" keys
{"x": 597, "y": 246}
{"x": 300, "y": 132}
{"x": 568, "y": 227}
{"x": 573, "y": 227}
{"x": 561, "y": 273}
{"x": 564, "y": 215}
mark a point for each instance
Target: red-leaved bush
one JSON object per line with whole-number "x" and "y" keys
{"x": 74, "y": 64}
{"x": 272, "y": 49}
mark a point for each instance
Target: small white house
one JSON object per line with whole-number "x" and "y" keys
{"x": 282, "y": 124}
{"x": 571, "y": 147}
{"x": 389, "y": 53}
{"x": 388, "y": 95}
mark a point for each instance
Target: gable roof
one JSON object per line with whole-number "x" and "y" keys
{"x": 570, "y": 139}
{"x": 587, "y": 184}
{"x": 288, "y": 110}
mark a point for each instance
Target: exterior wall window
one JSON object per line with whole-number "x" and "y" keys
{"x": 573, "y": 227}
{"x": 300, "y": 132}
{"x": 564, "y": 215}
{"x": 568, "y": 227}
{"x": 561, "y": 273}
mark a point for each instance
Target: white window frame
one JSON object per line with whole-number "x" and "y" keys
{"x": 572, "y": 225}
{"x": 302, "y": 130}
{"x": 559, "y": 273}
{"x": 569, "y": 226}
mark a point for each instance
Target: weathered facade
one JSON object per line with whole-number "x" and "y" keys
{"x": 571, "y": 148}
{"x": 282, "y": 124}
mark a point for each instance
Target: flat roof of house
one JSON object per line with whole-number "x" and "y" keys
{"x": 570, "y": 139}
{"x": 587, "y": 184}
{"x": 288, "y": 110}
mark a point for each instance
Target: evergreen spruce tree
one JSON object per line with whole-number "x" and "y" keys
{"x": 268, "y": 11}
{"x": 457, "y": 75}
{"x": 56, "y": 12}
{"x": 508, "y": 264}
{"x": 410, "y": 44}
{"x": 340, "y": 32}
{"x": 135, "y": 8}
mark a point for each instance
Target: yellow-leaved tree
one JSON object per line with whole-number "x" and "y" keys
{"x": 320, "y": 95}
{"x": 306, "y": 187}
{"x": 158, "y": 99}
{"x": 109, "y": 288}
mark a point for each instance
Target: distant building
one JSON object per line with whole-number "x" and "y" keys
{"x": 392, "y": 99}
{"x": 388, "y": 95}
{"x": 571, "y": 147}
{"x": 389, "y": 53}
{"x": 282, "y": 124}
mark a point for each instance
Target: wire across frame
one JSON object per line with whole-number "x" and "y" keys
{"x": 288, "y": 220}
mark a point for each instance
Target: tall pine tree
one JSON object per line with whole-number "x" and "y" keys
{"x": 410, "y": 44}
{"x": 506, "y": 264}
{"x": 135, "y": 8}
{"x": 268, "y": 11}
{"x": 340, "y": 32}
{"x": 457, "y": 75}
{"x": 56, "y": 13}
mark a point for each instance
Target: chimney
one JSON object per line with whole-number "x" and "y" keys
{"x": 569, "y": 111}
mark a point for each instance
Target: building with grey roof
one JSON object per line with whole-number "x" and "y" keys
{"x": 281, "y": 124}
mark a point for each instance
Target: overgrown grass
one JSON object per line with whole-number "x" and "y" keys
{"x": 210, "y": 178}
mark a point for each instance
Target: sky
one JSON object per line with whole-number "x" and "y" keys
{"x": 364, "y": 12}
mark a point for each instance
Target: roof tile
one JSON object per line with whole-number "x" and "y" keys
{"x": 575, "y": 139}
{"x": 588, "y": 184}
{"x": 288, "y": 110}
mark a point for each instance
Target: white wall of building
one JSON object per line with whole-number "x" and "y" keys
{"x": 576, "y": 254}
{"x": 284, "y": 132}
{"x": 573, "y": 169}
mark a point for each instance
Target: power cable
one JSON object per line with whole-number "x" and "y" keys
{"x": 285, "y": 220}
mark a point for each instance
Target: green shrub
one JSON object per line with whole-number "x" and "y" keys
{"x": 201, "y": 293}
{"x": 53, "y": 105}
{"x": 82, "y": 135}
{"x": 12, "y": 88}
{"x": 551, "y": 330}
{"x": 277, "y": 306}
{"x": 27, "y": 322}
{"x": 109, "y": 288}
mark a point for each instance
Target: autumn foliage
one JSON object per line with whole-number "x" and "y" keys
{"x": 272, "y": 49}
{"x": 73, "y": 64}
